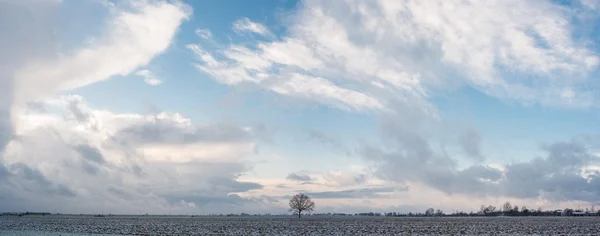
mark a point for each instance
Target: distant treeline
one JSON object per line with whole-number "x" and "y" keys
{"x": 25, "y": 213}
{"x": 506, "y": 210}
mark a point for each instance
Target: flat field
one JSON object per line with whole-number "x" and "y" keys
{"x": 310, "y": 225}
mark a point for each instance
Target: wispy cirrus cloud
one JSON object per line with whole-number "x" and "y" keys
{"x": 204, "y": 33}
{"x": 149, "y": 77}
{"x": 397, "y": 51}
{"x": 246, "y": 25}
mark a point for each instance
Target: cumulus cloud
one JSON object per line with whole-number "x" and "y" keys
{"x": 24, "y": 26}
{"x": 109, "y": 161}
{"x": 564, "y": 174}
{"x": 149, "y": 77}
{"x": 41, "y": 153}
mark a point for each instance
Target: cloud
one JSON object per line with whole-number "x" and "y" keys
{"x": 246, "y": 25}
{"x": 24, "y": 25}
{"x": 407, "y": 155}
{"x": 368, "y": 54}
{"x": 558, "y": 176}
{"x": 347, "y": 178}
{"x": 112, "y": 162}
{"x": 149, "y": 77}
{"x": 90, "y": 153}
{"x": 298, "y": 177}
{"x": 179, "y": 130}
{"x": 564, "y": 174}
{"x": 470, "y": 141}
{"x": 244, "y": 67}
{"x": 203, "y": 33}
{"x": 355, "y": 193}
{"x": 132, "y": 39}
{"x": 26, "y": 177}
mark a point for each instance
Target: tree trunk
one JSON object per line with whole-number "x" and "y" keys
{"x": 299, "y": 214}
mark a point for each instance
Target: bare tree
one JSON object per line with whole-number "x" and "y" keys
{"x": 488, "y": 210}
{"x": 429, "y": 212}
{"x": 506, "y": 207}
{"x": 300, "y": 203}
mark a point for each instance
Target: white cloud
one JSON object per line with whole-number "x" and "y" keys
{"x": 324, "y": 90}
{"x": 400, "y": 50}
{"x": 149, "y": 77}
{"x": 592, "y": 4}
{"x": 204, "y": 33}
{"x": 182, "y": 153}
{"x": 246, "y": 25}
{"x": 132, "y": 39}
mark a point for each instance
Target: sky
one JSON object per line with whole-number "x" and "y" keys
{"x": 200, "y": 107}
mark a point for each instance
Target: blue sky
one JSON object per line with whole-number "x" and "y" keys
{"x": 218, "y": 106}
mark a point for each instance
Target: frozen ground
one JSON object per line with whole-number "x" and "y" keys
{"x": 154, "y": 225}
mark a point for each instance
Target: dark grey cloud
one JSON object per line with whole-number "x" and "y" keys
{"x": 355, "y": 193}
{"x": 120, "y": 193}
{"x": 31, "y": 175}
{"x": 556, "y": 176}
{"x": 89, "y": 168}
{"x": 281, "y": 186}
{"x": 298, "y": 177}
{"x": 167, "y": 131}
{"x": 360, "y": 178}
{"x": 80, "y": 115}
{"x": 435, "y": 171}
{"x": 220, "y": 191}
{"x": 6, "y": 129}
{"x": 206, "y": 199}
{"x": 470, "y": 141}
{"x": 90, "y": 153}
{"x": 407, "y": 155}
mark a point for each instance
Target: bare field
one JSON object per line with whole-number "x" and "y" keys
{"x": 156, "y": 225}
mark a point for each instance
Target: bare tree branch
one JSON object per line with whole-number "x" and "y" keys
{"x": 300, "y": 203}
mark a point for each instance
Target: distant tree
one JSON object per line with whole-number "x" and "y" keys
{"x": 568, "y": 212}
{"x": 429, "y": 212}
{"x": 515, "y": 210}
{"x": 300, "y": 203}
{"x": 488, "y": 210}
{"x": 506, "y": 207}
{"x": 524, "y": 211}
{"x": 439, "y": 212}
